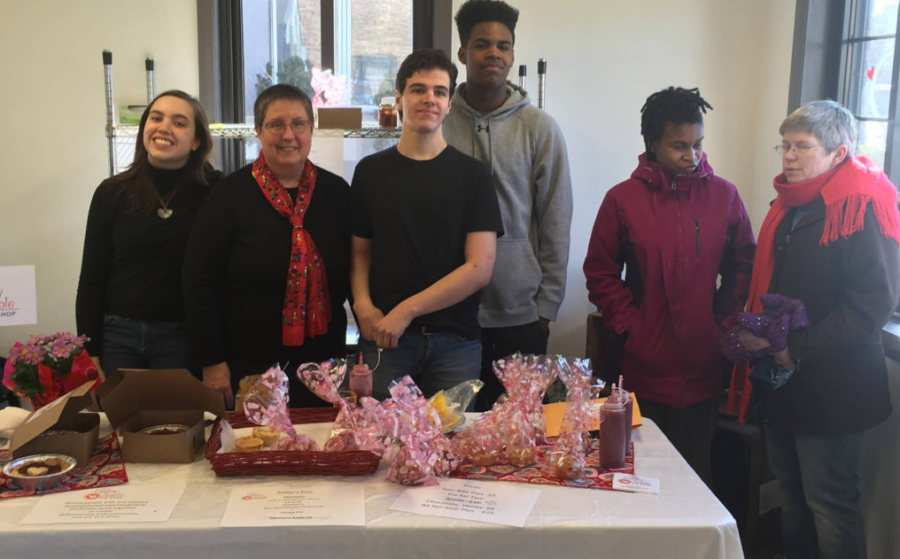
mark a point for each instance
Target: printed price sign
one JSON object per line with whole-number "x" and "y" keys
{"x": 470, "y": 500}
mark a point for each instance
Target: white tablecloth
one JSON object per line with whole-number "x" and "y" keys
{"x": 684, "y": 521}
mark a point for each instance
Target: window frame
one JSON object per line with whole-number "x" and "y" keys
{"x": 221, "y": 57}
{"x": 819, "y": 64}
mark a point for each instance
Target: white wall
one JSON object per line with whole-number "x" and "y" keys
{"x": 53, "y": 144}
{"x": 605, "y": 58}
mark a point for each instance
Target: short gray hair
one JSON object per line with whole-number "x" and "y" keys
{"x": 280, "y": 92}
{"x": 828, "y": 121}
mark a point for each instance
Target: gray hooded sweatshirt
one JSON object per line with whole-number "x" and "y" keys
{"x": 526, "y": 152}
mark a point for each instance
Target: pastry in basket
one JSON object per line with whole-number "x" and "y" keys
{"x": 268, "y": 435}
{"x": 248, "y": 444}
{"x": 301, "y": 442}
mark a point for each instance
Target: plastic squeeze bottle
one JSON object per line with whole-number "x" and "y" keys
{"x": 629, "y": 411}
{"x": 361, "y": 379}
{"x": 612, "y": 431}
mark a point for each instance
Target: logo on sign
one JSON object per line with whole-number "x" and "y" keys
{"x": 252, "y": 496}
{"x": 7, "y": 305}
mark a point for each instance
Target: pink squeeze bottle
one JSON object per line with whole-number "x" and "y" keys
{"x": 361, "y": 379}
{"x": 612, "y": 431}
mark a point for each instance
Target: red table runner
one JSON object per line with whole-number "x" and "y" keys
{"x": 595, "y": 477}
{"x": 105, "y": 468}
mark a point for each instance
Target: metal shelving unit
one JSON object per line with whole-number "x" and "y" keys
{"x": 121, "y": 137}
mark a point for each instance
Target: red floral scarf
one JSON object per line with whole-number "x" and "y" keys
{"x": 847, "y": 191}
{"x": 307, "y": 307}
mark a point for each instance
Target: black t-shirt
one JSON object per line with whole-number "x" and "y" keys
{"x": 418, "y": 214}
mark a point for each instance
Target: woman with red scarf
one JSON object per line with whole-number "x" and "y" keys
{"x": 268, "y": 262}
{"x": 830, "y": 240}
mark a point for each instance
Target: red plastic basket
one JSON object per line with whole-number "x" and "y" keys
{"x": 288, "y": 462}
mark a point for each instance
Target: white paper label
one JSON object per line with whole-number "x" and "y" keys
{"x": 127, "y": 503}
{"x": 326, "y": 504}
{"x": 497, "y": 503}
{"x": 635, "y": 484}
{"x": 18, "y": 296}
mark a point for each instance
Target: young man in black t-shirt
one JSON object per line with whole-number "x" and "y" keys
{"x": 425, "y": 222}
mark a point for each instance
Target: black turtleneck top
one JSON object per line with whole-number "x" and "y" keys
{"x": 131, "y": 265}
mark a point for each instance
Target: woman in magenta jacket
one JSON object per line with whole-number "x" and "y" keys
{"x": 676, "y": 228}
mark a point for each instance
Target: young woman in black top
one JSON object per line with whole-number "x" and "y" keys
{"x": 129, "y": 293}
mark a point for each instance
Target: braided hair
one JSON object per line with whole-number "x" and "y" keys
{"x": 673, "y": 104}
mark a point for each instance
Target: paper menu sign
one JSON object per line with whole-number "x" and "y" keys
{"x": 120, "y": 504}
{"x": 495, "y": 503}
{"x": 18, "y": 295}
{"x": 324, "y": 504}
{"x": 635, "y": 484}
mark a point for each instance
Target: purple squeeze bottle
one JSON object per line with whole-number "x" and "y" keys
{"x": 629, "y": 416}
{"x": 612, "y": 431}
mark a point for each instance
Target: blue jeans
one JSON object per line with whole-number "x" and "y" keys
{"x": 139, "y": 344}
{"x": 820, "y": 514}
{"x": 435, "y": 361}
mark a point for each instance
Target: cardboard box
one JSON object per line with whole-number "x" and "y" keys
{"x": 60, "y": 414}
{"x": 137, "y": 399}
{"x": 344, "y": 118}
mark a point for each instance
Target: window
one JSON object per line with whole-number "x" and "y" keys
{"x": 262, "y": 42}
{"x": 868, "y": 47}
{"x": 847, "y": 50}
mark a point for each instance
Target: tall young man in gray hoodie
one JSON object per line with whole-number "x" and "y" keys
{"x": 494, "y": 121}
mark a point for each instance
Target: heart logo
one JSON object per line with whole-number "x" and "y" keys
{"x": 870, "y": 73}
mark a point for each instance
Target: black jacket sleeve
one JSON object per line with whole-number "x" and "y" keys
{"x": 203, "y": 276}
{"x": 96, "y": 261}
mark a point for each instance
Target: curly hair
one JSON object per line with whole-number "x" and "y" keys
{"x": 474, "y": 12}
{"x": 673, "y": 104}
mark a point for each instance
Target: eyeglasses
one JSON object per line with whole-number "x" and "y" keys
{"x": 297, "y": 126}
{"x": 781, "y": 149}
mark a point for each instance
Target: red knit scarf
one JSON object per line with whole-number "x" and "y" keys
{"x": 847, "y": 191}
{"x": 307, "y": 308}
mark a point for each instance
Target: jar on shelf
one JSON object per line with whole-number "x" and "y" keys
{"x": 387, "y": 113}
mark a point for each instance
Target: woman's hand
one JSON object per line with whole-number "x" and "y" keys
{"x": 751, "y": 342}
{"x": 218, "y": 377}
{"x": 783, "y": 359}
{"x": 96, "y": 361}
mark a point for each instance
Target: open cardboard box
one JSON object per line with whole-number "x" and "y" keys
{"x": 136, "y": 399}
{"x": 344, "y": 118}
{"x": 62, "y": 414}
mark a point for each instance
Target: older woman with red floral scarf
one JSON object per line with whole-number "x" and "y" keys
{"x": 829, "y": 240}
{"x": 267, "y": 269}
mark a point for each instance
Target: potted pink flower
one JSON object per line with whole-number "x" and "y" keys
{"x": 46, "y": 367}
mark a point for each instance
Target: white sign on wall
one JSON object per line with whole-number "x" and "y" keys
{"x": 18, "y": 296}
